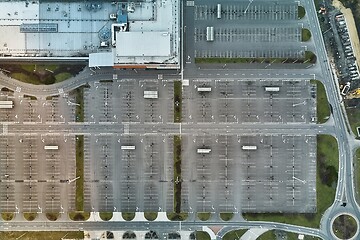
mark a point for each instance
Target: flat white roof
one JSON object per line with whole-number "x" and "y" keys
{"x": 151, "y": 94}
{"x": 142, "y": 44}
{"x": 101, "y": 59}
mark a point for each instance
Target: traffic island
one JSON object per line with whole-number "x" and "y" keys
{"x": 201, "y": 235}
{"x": 345, "y": 227}
{"x": 305, "y": 35}
{"x": 79, "y": 201}
{"x": 79, "y": 216}
{"x": 7, "y": 216}
{"x": 30, "y": 216}
{"x": 106, "y": 216}
{"x": 177, "y": 101}
{"x": 234, "y": 234}
{"x": 204, "y": 216}
{"x": 150, "y": 216}
{"x": 52, "y": 216}
{"x": 226, "y": 216}
{"x": 301, "y": 12}
{"x": 128, "y": 216}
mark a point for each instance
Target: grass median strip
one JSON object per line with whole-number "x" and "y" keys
{"x": 32, "y": 235}
{"x": 326, "y": 180}
{"x": 177, "y": 101}
{"x": 177, "y": 174}
{"x": 322, "y": 104}
{"x": 79, "y": 203}
{"x": 309, "y": 57}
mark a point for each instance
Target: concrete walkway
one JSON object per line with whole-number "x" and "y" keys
{"x": 253, "y": 233}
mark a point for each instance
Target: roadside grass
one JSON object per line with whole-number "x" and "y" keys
{"x": 309, "y": 57}
{"x": 234, "y": 234}
{"x": 201, "y": 235}
{"x": 322, "y": 104}
{"x": 226, "y": 216}
{"x": 52, "y": 216}
{"x": 62, "y": 77}
{"x": 106, "y": 216}
{"x": 353, "y": 114}
{"x": 48, "y": 235}
{"x": 25, "y": 78}
{"x": 177, "y": 173}
{"x": 151, "y": 216}
{"x": 41, "y": 74}
{"x": 269, "y": 235}
{"x": 357, "y": 174}
{"x": 305, "y": 34}
{"x": 177, "y": 101}
{"x": 301, "y": 12}
{"x": 128, "y": 216}
{"x": 204, "y": 216}
{"x": 7, "y": 216}
{"x": 30, "y": 216}
{"x": 326, "y": 179}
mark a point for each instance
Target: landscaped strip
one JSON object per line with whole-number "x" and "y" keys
{"x": 326, "y": 181}
{"x": 177, "y": 101}
{"x": 79, "y": 203}
{"x": 357, "y": 174}
{"x": 177, "y": 174}
{"x": 301, "y": 12}
{"x": 353, "y": 114}
{"x": 322, "y": 104}
{"x": 309, "y": 57}
{"x": 79, "y": 95}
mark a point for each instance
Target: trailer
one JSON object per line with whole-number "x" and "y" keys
{"x": 127, "y": 147}
{"x": 203, "y": 150}
{"x": 272, "y": 89}
{"x": 248, "y": 147}
{"x": 219, "y": 11}
{"x": 51, "y": 147}
{"x": 210, "y": 34}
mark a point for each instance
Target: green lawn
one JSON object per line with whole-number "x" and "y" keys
{"x": 344, "y": 227}
{"x": 106, "y": 216}
{"x": 353, "y": 115}
{"x": 151, "y": 216}
{"x": 301, "y": 12}
{"x": 177, "y": 101}
{"x": 204, "y": 216}
{"x": 62, "y": 77}
{"x": 79, "y": 203}
{"x": 269, "y": 235}
{"x": 305, "y": 34}
{"x": 327, "y": 166}
{"x": 25, "y": 78}
{"x": 234, "y": 235}
{"x": 322, "y": 104}
{"x": 41, "y": 235}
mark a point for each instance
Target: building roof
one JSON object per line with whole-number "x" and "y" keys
{"x": 142, "y": 44}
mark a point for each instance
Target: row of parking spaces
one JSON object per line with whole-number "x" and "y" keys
{"x": 126, "y": 101}
{"x": 276, "y": 51}
{"x": 128, "y": 173}
{"x": 279, "y": 101}
{"x": 28, "y": 172}
{"x": 276, "y": 172}
{"x": 262, "y": 11}
{"x": 60, "y": 110}
{"x": 251, "y": 35}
